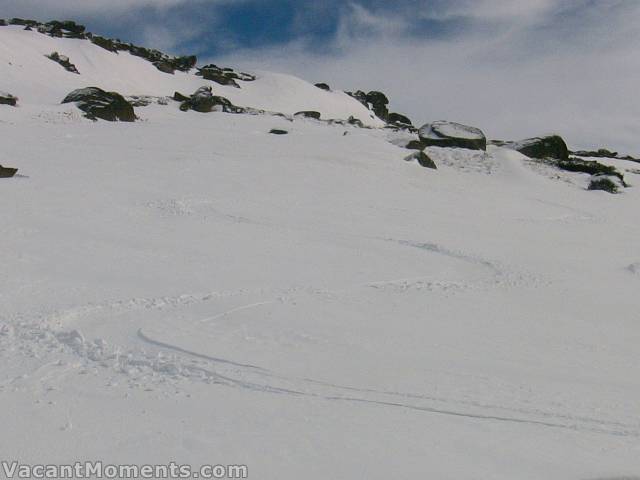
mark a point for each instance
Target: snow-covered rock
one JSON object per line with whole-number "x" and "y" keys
{"x": 551, "y": 146}
{"x": 96, "y": 103}
{"x": 452, "y": 135}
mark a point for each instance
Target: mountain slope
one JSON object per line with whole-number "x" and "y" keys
{"x": 192, "y": 288}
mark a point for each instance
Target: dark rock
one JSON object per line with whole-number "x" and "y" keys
{"x": 552, "y": 146}
{"x": 355, "y": 122}
{"x": 8, "y": 99}
{"x": 105, "y": 43}
{"x": 308, "y": 114}
{"x": 164, "y": 66}
{"x": 360, "y": 96}
{"x": 204, "y": 101}
{"x": 277, "y": 131}
{"x": 452, "y": 135}
{"x": 323, "y": 86}
{"x": 605, "y": 182}
{"x": 63, "y": 61}
{"x": 66, "y": 29}
{"x": 604, "y": 153}
{"x": 178, "y": 97}
{"x": 224, "y": 76}
{"x": 415, "y": 145}
{"x": 574, "y": 164}
{"x": 378, "y": 102}
{"x": 96, "y": 103}
{"x": 6, "y": 172}
{"x": 398, "y": 119}
{"x": 423, "y": 159}
{"x": 23, "y": 22}
{"x": 3, "y": 22}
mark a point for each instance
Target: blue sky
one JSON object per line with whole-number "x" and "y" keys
{"x": 515, "y": 68}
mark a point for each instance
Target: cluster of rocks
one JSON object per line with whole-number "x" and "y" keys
{"x": 70, "y": 29}
{"x": 224, "y": 76}
{"x": 378, "y": 103}
{"x": 98, "y": 104}
{"x": 8, "y": 99}
{"x": 63, "y": 61}
{"x": 204, "y": 101}
{"x": 6, "y": 172}
{"x": 604, "y": 153}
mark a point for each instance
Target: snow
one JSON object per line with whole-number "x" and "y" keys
{"x": 191, "y": 288}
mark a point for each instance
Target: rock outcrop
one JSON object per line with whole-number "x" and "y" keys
{"x": 452, "y": 135}
{"x": 64, "y": 62}
{"x": 308, "y": 114}
{"x": 6, "y": 172}
{"x": 98, "y": 104}
{"x": 552, "y": 146}
{"x": 204, "y": 101}
{"x": 422, "y": 158}
{"x": 8, "y": 99}
{"x": 604, "y": 153}
{"x": 323, "y": 86}
{"x": 224, "y": 76}
{"x": 607, "y": 183}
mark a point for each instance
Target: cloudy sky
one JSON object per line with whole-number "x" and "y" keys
{"x": 515, "y": 68}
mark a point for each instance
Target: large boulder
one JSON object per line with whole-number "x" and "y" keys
{"x": 96, "y": 103}
{"x": 6, "y": 172}
{"x": 8, "y": 99}
{"x": 551, "y": 146}
{"x": 452, "y": 135}
{"x": 399, "y": 120}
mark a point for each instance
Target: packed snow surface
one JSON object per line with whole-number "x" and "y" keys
{"x": 191, "y": 288}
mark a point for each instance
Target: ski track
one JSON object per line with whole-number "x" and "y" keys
{"x": 169, "y": 362}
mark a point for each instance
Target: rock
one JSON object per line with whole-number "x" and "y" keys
{"x": 399, "y": 120}
{"x": 6, "y": 172}
{"x": 105, "y": 43}
{"x": 323, "y": 86}
{"x": 63, "y": 61}
{"x": 604, "y": 153}
{"x": 423, "y": 159}
{"x": 277, "y": 131}
{"x": 574, "y": 164}
{"x": 204, "y": 101}
{"x": 355, "y": 122}
{"x": 360, "y": 96}
{"x": 3, "y": 22}
{"x": 224, "y": 76}
{"x": 96, "y": 103}
{"x": 607, "y": 183}
{"x": 8, "y": 99}
{"x": 178, "y": 97}
{"x": 23, "y": 22}
{"x": 308, "y": 114}
{"x": 378, "y": 102}
{"x": 552, "y": 146}
{"x": 415, "y": 145}
{"x": 452, "y": 135}
{"x": 66, "y": 29}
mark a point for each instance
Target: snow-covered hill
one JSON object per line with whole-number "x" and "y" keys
{"x": 191, "y": 288}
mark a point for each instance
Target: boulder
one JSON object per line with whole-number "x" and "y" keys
{"x": 607, "y": 183}
{"x": 452, "y": 135}
{"x": 3, "y": 22}
{"x": 356, "y": 122}
{"x": 204, "y": 101}
{"x": 415, "y": 145}
{"x": 96, "y": 103}
{"x": 323, "y": 86}
{"x": 552, "y": 146}
{"x": 64, "y": 62}
{"x": 8, "y": 99}
{"x": 6, "y": 172}
{"x": 277, "y": 131}
{"x": 423, "y": 159}
{"x": 308, "y": 114}
{"x": 378, "y": 102}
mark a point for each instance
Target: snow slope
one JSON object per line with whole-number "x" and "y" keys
{"x": 37, "y": 81}
{"x": 191, "y": 288}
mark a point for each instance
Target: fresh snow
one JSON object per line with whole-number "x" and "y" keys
{"x": 191, "y": 288}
